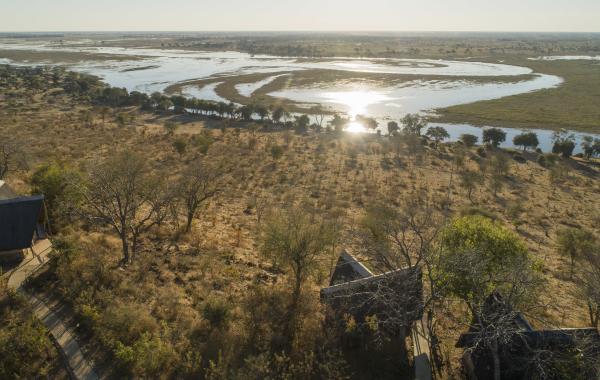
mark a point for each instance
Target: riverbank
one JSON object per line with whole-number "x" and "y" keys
{"x": 573, "y": 105}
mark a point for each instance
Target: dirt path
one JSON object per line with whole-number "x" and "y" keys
{"x": 63, "y": 337}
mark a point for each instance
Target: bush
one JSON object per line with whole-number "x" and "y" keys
{"x": 203, "y": 142}
{"x": 276, "y": 152}
{"x": 217, "y": 312}
{"x": 180, "y": 145}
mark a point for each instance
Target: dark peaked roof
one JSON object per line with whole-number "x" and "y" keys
{"x": 348, "y": 268}
{"x": 18, "y": 220}
{"x": 395, "y": 297}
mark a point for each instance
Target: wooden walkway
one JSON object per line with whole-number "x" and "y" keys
{"x": 421, "y": 352}
{"x": 63, "y": 337}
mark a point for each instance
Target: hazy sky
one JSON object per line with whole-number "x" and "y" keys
{"x": 324, "y": 15}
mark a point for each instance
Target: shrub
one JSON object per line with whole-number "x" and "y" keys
{"x": 170, "y": 127}
{"x": 217, "y": 312}
{"x": 276, "y": 152}
{"x": 180, "y": 145}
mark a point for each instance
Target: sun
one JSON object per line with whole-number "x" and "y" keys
{"x": 355, "y": 127}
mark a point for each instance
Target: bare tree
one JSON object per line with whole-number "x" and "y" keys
{"x": 589, "y": 283}
{"x": 12, "y": 158}
{"x": 400, "y": 237}
{"x": 123, "y": 194}
{"x": 198, "y": 183}
{"x": 295, "y": 240}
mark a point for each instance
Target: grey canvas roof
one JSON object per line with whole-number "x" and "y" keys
{"x": 348, "y": 268}
{"x": 6, "y": 192}
{"x": 18, "y": 221}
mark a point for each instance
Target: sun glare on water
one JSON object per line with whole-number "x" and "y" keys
{"x": 355, "y": 127}
{"x": 357, "y": 103}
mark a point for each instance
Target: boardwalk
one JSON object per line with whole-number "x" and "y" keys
{"x": 64, "y": 338}
{"x": 422, "y": 356}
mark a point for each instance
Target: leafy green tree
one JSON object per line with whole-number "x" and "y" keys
{"x": 590, "y": 146}
{"x": 526, "y": 140}
{"x": 468, "y": 140}
{"x": 574, "y": 243}
{"x": 564, "y": 143}
{"x": 438, "y": 134}
{"x": 494, "y": 136}
{"x": 477, "y": 258}
{"x": 58, "y": 183}
{"x": 413, "y": 124}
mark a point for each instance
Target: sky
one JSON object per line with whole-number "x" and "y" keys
{"x": 300, "y": 15}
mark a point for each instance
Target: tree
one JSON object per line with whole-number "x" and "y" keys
{"x": 338, "y": 123}
{"x": 477, "y": 258}
{"x": 526, "y": 140}
{"x": 295, "y": 240}
{"x": 393, "y": 128}
{"x": 319, "y": 112}
{"x": 302, "y": 122}
{"x": 438, "y": 134}
{"x": 574, "y": 243}
{"x": 564, "y": 143}
{"x": 123, "y": 194}
{"x": 367, "y": 122}
{"x": 589, "y": 282}
{"x": 499, "y": 168}
{"x": 413, "y": 124}
{"x": 590, "y": 146}
{"x": 180, "y": 145}
{"x": 469, "y": 179}
{"x": 494, "y": 136}
{"x": 12, "y": 157}
{"x": 278, "y": 114}
{"x": 198, "y": 183}
{"x": 468, "y": 139}
{"x": 262, "y": 111}
{"x": 58, "y": 183}
{"x": 247, "y": 112}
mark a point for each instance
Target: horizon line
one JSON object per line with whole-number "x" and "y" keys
{"x": 300, "y": 31}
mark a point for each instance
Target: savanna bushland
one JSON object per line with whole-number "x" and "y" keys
{"x": 194, "y": 244}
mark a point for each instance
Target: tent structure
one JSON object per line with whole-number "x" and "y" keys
{"x": 395, "y": 297}
{"x": 21, "y": 219}
{"x": 522, "y": 347}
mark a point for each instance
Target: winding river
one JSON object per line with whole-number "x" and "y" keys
{"x": 148, "y": 70}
